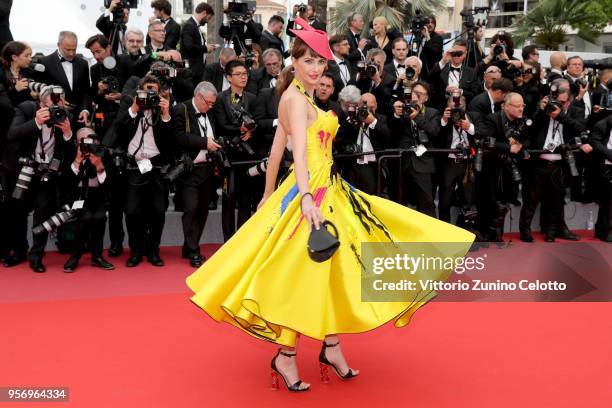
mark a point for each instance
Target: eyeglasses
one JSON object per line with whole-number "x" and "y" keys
{"x": 240, "y": 74}
{"x": 419, "y": 94}
{"x": 490, "y": 71}
{"x": 516, "y": 106}
{"x": 208, "y": 102}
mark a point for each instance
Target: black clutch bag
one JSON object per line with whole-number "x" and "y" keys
{"x": 321, "y": 243}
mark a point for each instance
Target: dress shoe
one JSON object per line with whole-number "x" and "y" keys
{"x": 37, "y": 266}
{"x": 607, "y": 237}
{"x": 72, "y": 263}
{"x": 100, "y": 262}
{"x": 549, "y": 237}
{"x": 526, "y": 236}
{"x": 212, "y": 206}
{"x": 155, "y": 260}
{"x": 115, "y": 250}
{"x": 14, "y": 260}
{"x": 196, "y": 260}
{"x": 133, "y": 260}
{"x": 567, "y": 234}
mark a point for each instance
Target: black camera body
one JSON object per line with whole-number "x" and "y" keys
{"x": 147, "y": 99}
{"x": 302, "y": 8}
{"x": 180, "y": 167}
{"x": 57, "y": 115}
{"x": 244, "y": 118}
{"x": 122, "y": 5}
{"x": 418, "y": 23}
{"x": 56, "y": 221}
{"x": 31, "y": 168}
{"x": 499, "y": 49}
{"x": 356, "y": 115}
{"x": 234, "y": 143}
{"x": 89, "y": 145}
{"x": 367, "y": 70}
{"x": 112, "y": 85}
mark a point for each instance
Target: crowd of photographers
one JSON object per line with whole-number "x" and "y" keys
{"x": 85, "y": 146}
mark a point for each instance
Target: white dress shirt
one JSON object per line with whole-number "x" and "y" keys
{"x": 609, "y": 146}
{"x": 148, "y": 149}
{"x": 345, "y": 75}
{"x": 554, "y": 135}
{"x": 206, "y": 130}
{"x": 68, "y": 69}
{"x": 363, "y": 140}
{"x": 459, "y": 137}
{"x": 48, "y": 144}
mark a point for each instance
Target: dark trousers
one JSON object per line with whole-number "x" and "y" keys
{"x": 363, "y": 176}
{"x": 116, "y": 206}
{"x": 14, "y": 221}
{"x": 487, "y": 190}
{"x": 145, "y": 209}
{"x": 604, "y": 216}
{"x": 545, "y": 183}
{"x": 247, "y": 191}
{"x": 44, "y": 202}
{"x": 421, "y": 184}
{"x": 450, "y": 176}
{"x": 90, "y": 224}
{"x": 196, "y": 191}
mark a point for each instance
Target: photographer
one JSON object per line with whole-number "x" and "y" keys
{"x": 602, "y": 96}
{"x": 451, "y": 74}
{"x": 489, "y": 101}
{"x": 417, "y": 127}
{"x": 404, "y": 71}
{"x": 162, "y": 11}
{"x": 215, "y": 72}
{"x": 361, "y": 131}
{"x": 105, "y": 89}
{"x": 307, "y": 12}
{"x": 11, "y": 253}
{"x": 66, "y": 69}
{"x": 237, "y": 128}
{"x": 270, "y": 37}
{"x": 372, "y": 78}
{"x": 193, "y": 45}
{"x": 113, "y": 24}
{"x": 501, "y": 54}
{"x": 457, "y": 132}
{"x": 558, "y": 64}
{"x": 432, "y": 48}
{"x": 43, "y": 135}
{"x": 324, "y": 92}
{"x": 194, "y": 133}
{"x": 556, "y": 125}
{"x": 16, "y": 74}
{"x": 343, "y": 72}
{"x": 602, "y": 145}
{"x": 267, "y": 76}
{"x": 497, "y": 134}
{"x": 86, "y": 184}
{"x": 144, "y": 130}
{"x": 240, "y": 30}
{"x": 528, "y": 87}
{"x": 579, "y": 83}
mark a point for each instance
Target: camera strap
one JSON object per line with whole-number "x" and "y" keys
{"x": 144, "y": 126}
{"x": 43, "y": 143}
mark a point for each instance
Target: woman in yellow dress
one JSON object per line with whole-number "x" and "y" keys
{"x": 262, "y": 280}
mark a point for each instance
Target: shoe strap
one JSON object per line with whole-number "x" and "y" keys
{"x": 326, "y": 345}
{"x": 284, "y": 353}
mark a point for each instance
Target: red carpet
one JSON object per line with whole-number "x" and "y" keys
{"x": 131, "y": 338}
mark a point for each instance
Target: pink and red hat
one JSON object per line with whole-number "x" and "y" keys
{"x": 315, "y": 39}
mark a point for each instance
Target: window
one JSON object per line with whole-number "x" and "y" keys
{"x": 187, "y": 6}
{"x": 257, "y": 18}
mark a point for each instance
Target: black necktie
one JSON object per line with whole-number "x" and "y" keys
{"x": 62, "y": 59}
{"x": 357, "y": 37}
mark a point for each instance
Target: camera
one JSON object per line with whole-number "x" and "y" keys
{"x": 302, "y": 8}
{"x": 34, "y": 86}
{"x": 112, "y": 85}
{"x": 244, "y": 118}
{"x": 30, "y": 168}
{"x": 180, "y": 167}
{"x": 487, "y": 143}
{"x": 456, "y": 53}
{"x": 147, "y": 99}
{"x": 368, "y": 70}
{"x": 516, "y": 128}
{"x": 410, "y": 73}
{"x": 57, "y": 115}
{"x": 418, "y": 23}
{"x": 553, "y": 104}
{"x": 356, "y": 115}
{"x": 249, "y": 56}
{"x": 234, "y": 143}
{"x": 258, "y": 169}
{"x": 499, "y": 49}
{"x": 457, "y": 113}
{"x": 122, "y": 5}
{"x": 55, "y": 221}
{"x": 89, "y": 145}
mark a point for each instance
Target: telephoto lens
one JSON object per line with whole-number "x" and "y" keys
{"x": 55, "y": 221}
{"x": 24, "y": 179}
{"x": 258, "y": 169}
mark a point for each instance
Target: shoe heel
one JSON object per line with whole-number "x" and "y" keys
{"x": 324, "y": 373}
{"x": 274, "y": 381}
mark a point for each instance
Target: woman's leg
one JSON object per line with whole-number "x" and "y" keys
{"x": 334, "y": 355}
{"x": 286, "y": 364}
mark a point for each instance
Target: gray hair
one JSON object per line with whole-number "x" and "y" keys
{"x": 153, "y": 24}
{"x": 417, "y": 60}
{"x": 228, "y": 52}
{"x": 204, "y": 88}
{"x": 272, "y": 51}
{"x": 134, "y": 30}
{"x": 46, "y": 92}
{"x": 511, "y": 95}
{"x": 375, "y": 52}
{"x": 350, "y": 94}
{"x": 66, "y": 34}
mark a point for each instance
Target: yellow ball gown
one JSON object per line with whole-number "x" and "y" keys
{"x": 263, "y": 281}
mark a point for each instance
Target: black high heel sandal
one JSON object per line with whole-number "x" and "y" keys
{"x": 324, "y": 362}
{"x": 275, "y": 373}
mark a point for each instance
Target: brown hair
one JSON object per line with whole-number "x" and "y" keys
{"x": 300, "y": 48}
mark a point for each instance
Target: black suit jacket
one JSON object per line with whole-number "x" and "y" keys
{"x": 5, "y": 30}
{"x": 438, "y": 78}
{"x": 125, "y": 129}
{"x": 186, "y": 135}
{"x": 258, "y": 80}
{"x": 599, "y": 139}
{"x": 382, "y": 92}
{"x": 572, "y": 120}
{"x": 329, "y": 106}
{"x": 429, "y": 121}
{"x": 107, "y": 27}
{"x": 214, "y": 74}
{"x": 24, "y": 135}
{"x": 269, "y": 40}
{"x": 54, "y": 74}
{"x": 334, "y": 69}
{"x": 193, "y": 47}
{"x": 173, "y": 34}
{"x": 354, "y": 53}
{"x": 266, "y": 110}
{"x": 380, "y": 136}
{"x": 431, "y": 53}
{"x": 480, "y": 108}
{"x": 223, "y": 111}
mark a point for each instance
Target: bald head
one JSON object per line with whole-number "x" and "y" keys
{"x": 513, "y": 105}
{"x": 558, "y": 60}
{"x": 370, "y": 100}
